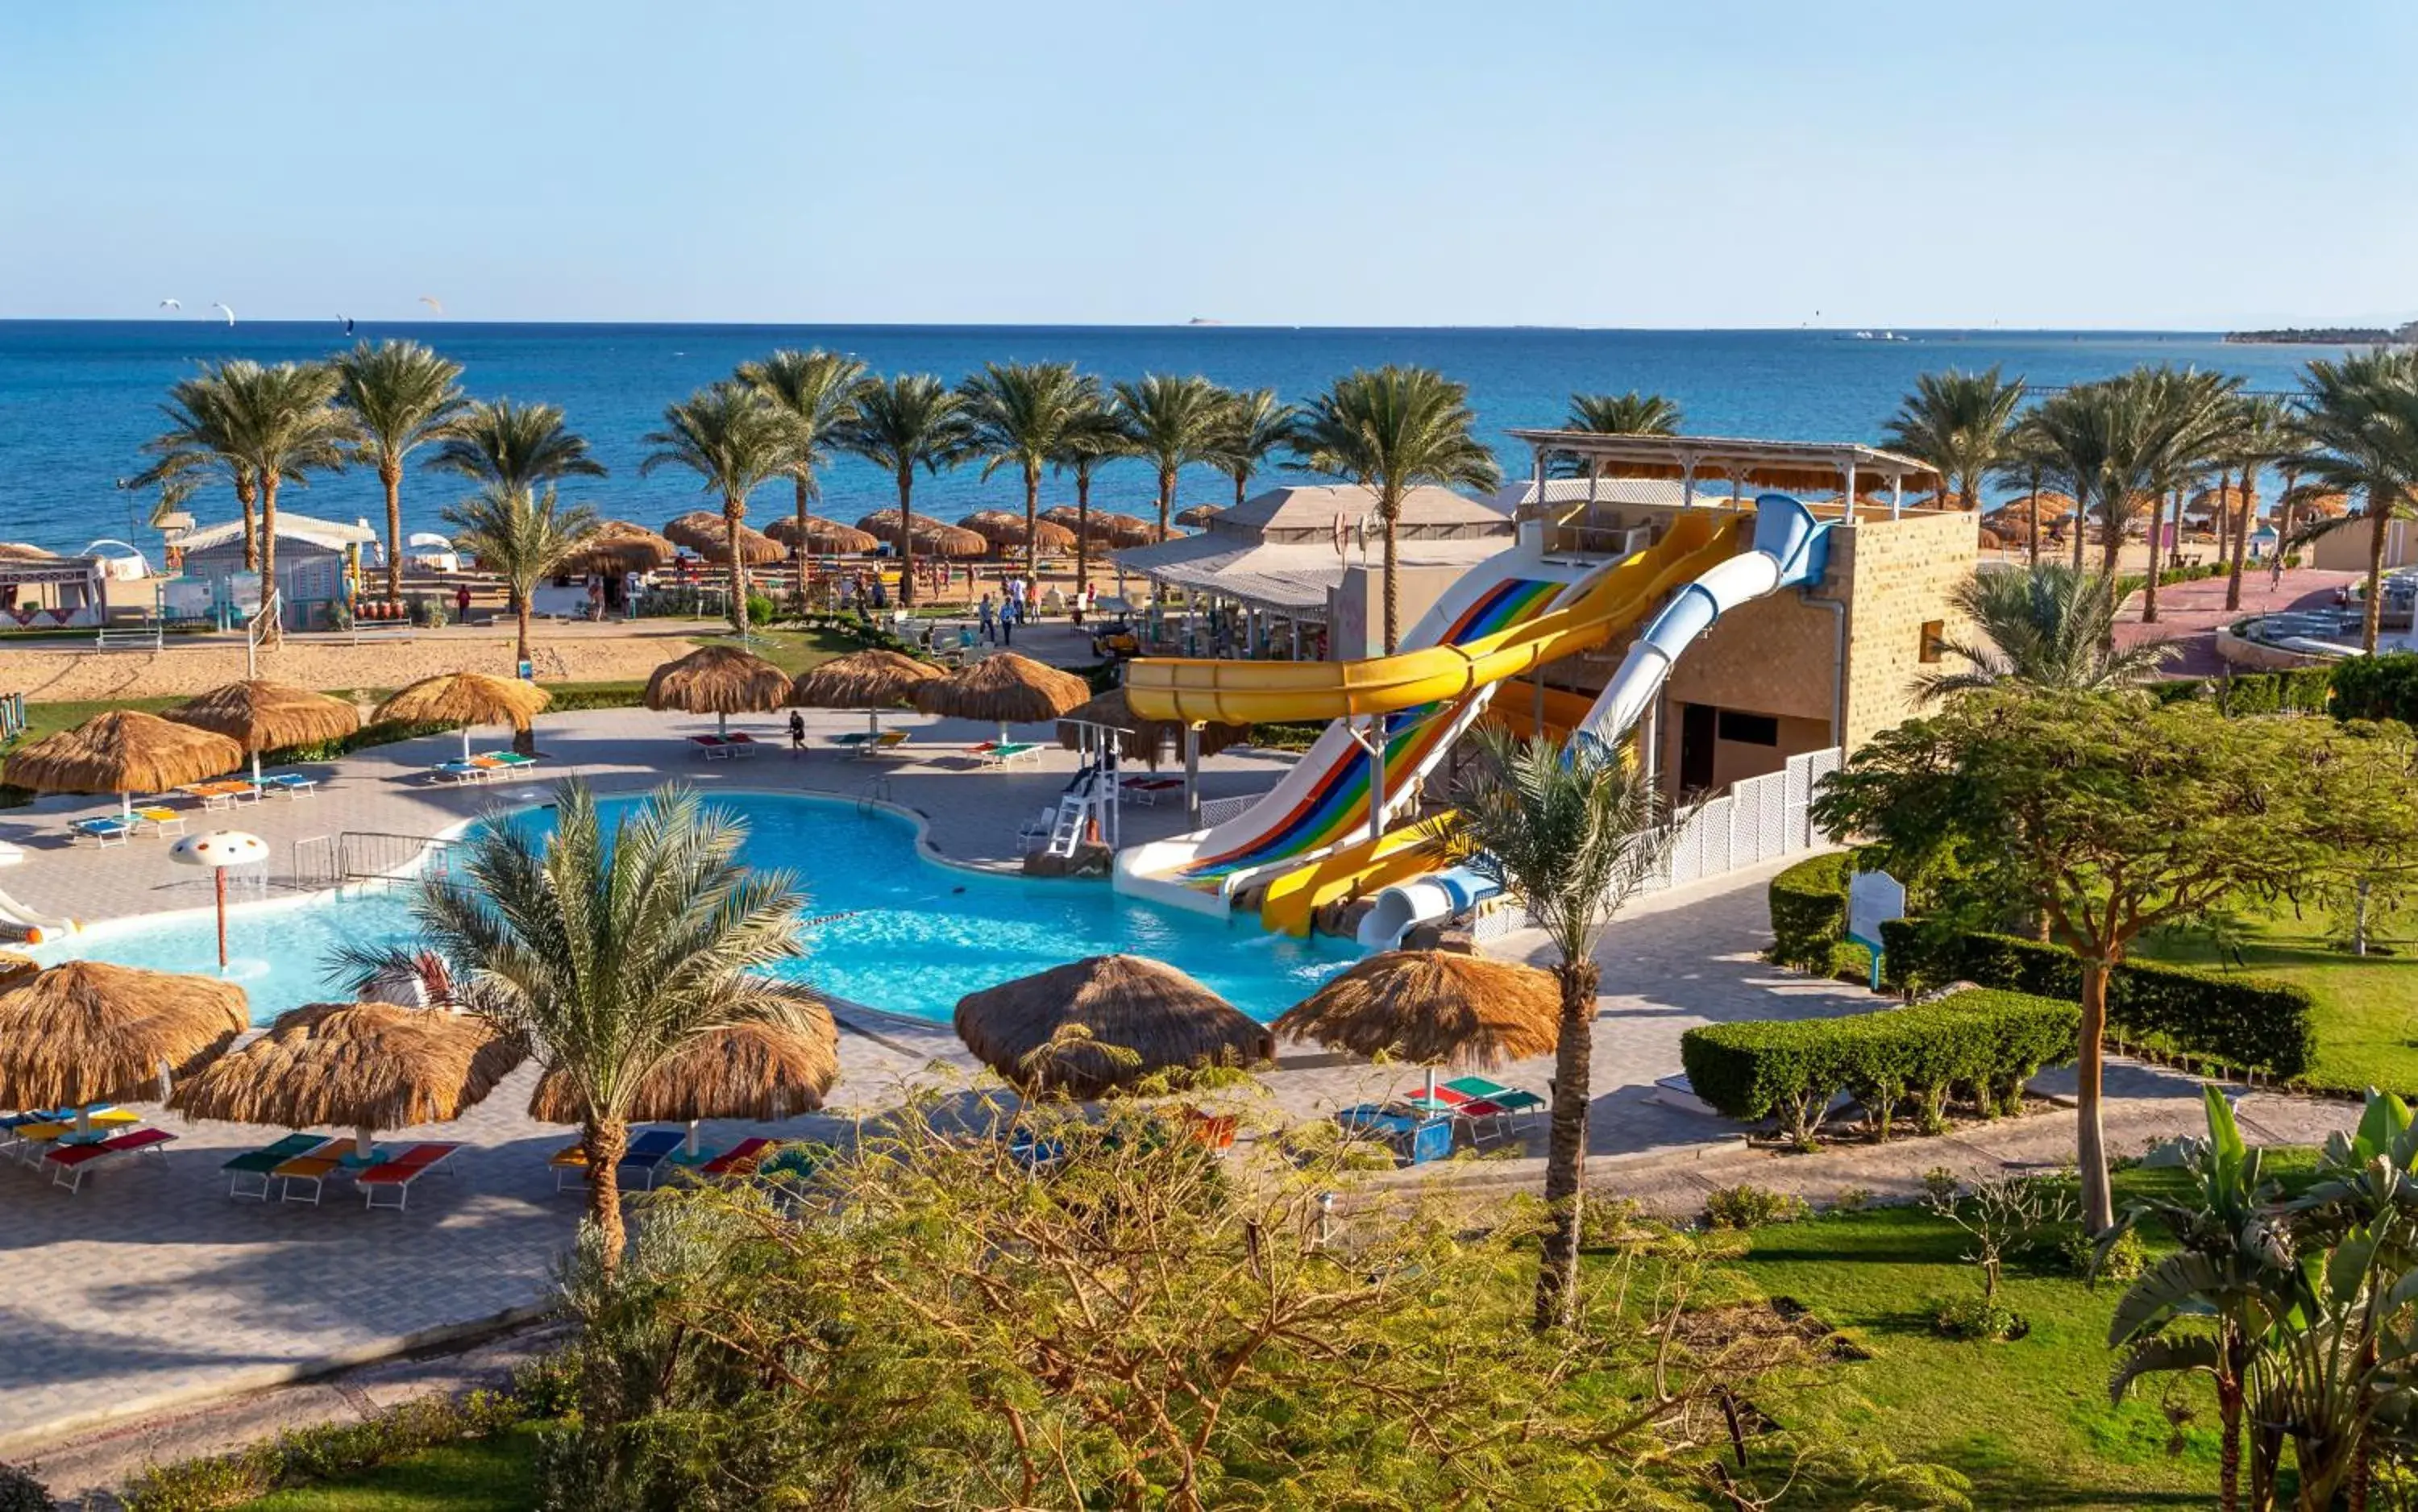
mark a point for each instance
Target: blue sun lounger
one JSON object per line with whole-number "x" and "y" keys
{"x": 645, "y": 1156}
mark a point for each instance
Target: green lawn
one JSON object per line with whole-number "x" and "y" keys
{"x": 493, "y": 1475}
{"x": 792, "y": 650}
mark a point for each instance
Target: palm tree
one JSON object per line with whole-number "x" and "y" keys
{"x": 289, "y": 426}
{"x": 522, "y": 535}
{"x": 2190, "y": 412}
{"x": 519, "y": 445}
{"x": 1173, "y": 422}
{"x": 735, "y": 440}
{"x": 611, "y": 947}
{"x": 1573, "y": 838}
{"x": 2105, "y": 440}
{"x": 2047, "y": 626}
{"x": 2029, "y": 464}
{"x": 1256, "y": 428}
{"x": 202, "y": 440}
{"x": 2260, "y": 436}
{"x": 1099, "y": 436}
{"x": 903, "y": 422}
{"x": 2358, "y": 424}
{"x": 1635, "y": 413}
{"x": 1024, "y": 413}
{"x": 815, "y": 390}
{"x": 401, "y": 394}
{"x": 1390, "y": 430}
{"x": 1959, "y": 422}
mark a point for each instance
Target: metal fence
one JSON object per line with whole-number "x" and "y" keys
{"x": 1759, "y": 819}
{"x": 322, "y": 860}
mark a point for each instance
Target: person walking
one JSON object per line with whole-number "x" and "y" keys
{"x": 989, "y": 622}
{"x": 797, "y": 733}
{"x": 1008, "y": 619}
{"x": 462, "y": 604}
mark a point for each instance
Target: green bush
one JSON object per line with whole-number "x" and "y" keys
{"x": 20, "y": 1492}
{"x": 327, "y": 1450}
{"x": 2378, "y": 687}
{"x": 1749, "y": 1206}
{"x": 2248, "y": 1022}
{"x": 1809, "y": 911}
{"x": 761, "y": 609}
{"x": 2125, "y": 1260}
{"x": 1985, "y": 1044}
{"x": 1978, "y": 1318}
{"x": 2301, "y": 691}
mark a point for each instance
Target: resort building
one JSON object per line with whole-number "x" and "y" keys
{"x": 317, "y": 563}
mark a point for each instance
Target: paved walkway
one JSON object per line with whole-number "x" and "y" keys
{"x": 2191, "y": 614}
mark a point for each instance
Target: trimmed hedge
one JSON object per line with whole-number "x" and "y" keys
{"x": 1809, "y": 911}
{"x": 2378, "y": 687}
{"x": 1983, "y": 1044}
{"x": 2247, "y": 1022}
{"x": 2302, "y": 691}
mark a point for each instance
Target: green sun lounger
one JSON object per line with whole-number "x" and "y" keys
{"x": 260, "y": 1162}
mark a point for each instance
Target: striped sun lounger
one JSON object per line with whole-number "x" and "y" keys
{"x": 69, "y": 1164}
{"x": 398, "y": 1173}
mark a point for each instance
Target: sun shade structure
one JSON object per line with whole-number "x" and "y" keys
{"x": 217, "y": 851}
{"x": 1432, "y": 1008}
{"x": 767, "y": 1072}
{"x": 870, "y": 679}
{"x": 1091, "y": 529}
{"x": 721, "y": 681}
{"x": 365, "y": 1066}
{"x": 1006, "y": 689}
{"x": 1163, "y": 1017}
{"x": 2049, "y": 504}
{"x": 16, "y": 968}
{"x": 827, "y": 536}
{"x": 1141, "y": 739}
{"x": 1198, "y": 514}
{"x": 123, "y": 752}
{"x": 1127, "y": 530}
{"x": 1006, "y": 531}
{"x": 1713, "y": 465}
{"x": 932, "y": 538}
{"x": 619, "y": 546}
{"x": 85, "y": 1032}
{"x": 261, "y": 715}
{"x": 467, "y": 700}
{"x": 17, "y": 551}
{"x": 705, "y": 533}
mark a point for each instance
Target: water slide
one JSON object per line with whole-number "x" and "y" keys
{"x": 1506, "y": 617}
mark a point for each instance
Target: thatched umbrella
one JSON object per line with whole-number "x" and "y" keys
{"x": 721, "y": 681}
{"x": 827, "y": 536}
{"x": 17, "y": 551}
{"x": 1199, "y": 515}
{"x": 1435, "y": 1008}
{"x": 1129, "y": 1015}
{"x": 260, "y": 715}
{"x": 85, "y": 1032}
{"x": 767, "y": 1072}
{"x": 1006, "y": 532}
{"x": 1128, "y": 529}
{"x": 932, "y": 538}
{"x": 705, "y": 533}
{"x": 1005, "y": 688}
{"x": 872, "y": 680}
{"x": 466, "y": 698}
{"x": 619, "y": 546}
{"x": 16, "y": 967}
{"x": 122, "y": 751}
{"x": 360, "y": 1065}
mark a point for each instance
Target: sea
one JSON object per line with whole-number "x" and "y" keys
{"x": 79, "y": 398}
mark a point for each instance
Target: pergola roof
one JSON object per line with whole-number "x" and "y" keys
{"x": 1812, "y": 465}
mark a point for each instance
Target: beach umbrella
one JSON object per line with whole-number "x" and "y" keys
{"x": 932, "y": 538}
{"x": 765, "y": 1072}
{"x": 1127, "y": 529}
{"x": 1129, "y": 1015}
{"x": 705, "y": 533}
{"x": 827, "y": 536}
{"x": 85, "y": 1032}
{"x": 1004, "y": 688}
{"x": 1432, "y": 1008}
{"x": 218, "y": 850}
{"x": 122, "y": 751}
{"x": 260, "y": 715}
{"x": 1005, "y": 531}
{"x": 618, "y": 546}
{"x": 19, "y": 551}
{"x": 721, "y": 681}
{"x": 365, "y": 1066}
{"x": 1092, "y": 532}
{"x": 1199, "y": 515}
{"x": 872, "y": 680}
{"x": 16, "y": 967}
{"x": 466, "y": 698}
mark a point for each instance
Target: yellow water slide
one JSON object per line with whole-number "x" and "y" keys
{"x": 1397, "y": 856}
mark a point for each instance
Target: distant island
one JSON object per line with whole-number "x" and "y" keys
{"x": 2329, "y": 336}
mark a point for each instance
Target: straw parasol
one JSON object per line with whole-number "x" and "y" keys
{"x": 360, "y": 1065}
{"x": 869, "y": 680}
{"x": 1125, "y": 1003}
{"x": 1435, "y": 1008}
{"x": 122, "y": 751}
{"x": 19, "y": 551}
{"x": 828, "y": 536}
{"x": 931, "y": 537}
{"x": 721, "y": 681}
{"x": 1128, "y": 529}
{"x": 16, "y": 967}
{"x": 1199, "y": 515}
{"x": 1006, "y": 531}
{"x": 85, "y": 1032}
{"x": 619, "y": 546}
{"x": 1006, "y": 689}
{"x": 466, "y": 698}
{"x": 1073, "y": 519}
{"x": 709, "y": 534}
{"x": 261, "y": 715}
{"x": 1141, "y": 738}
{"x": 767, "y": 1072}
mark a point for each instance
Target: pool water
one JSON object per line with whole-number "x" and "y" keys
{"x": 892, "y": 930}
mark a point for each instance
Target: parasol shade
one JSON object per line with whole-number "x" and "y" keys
{"x": 863, "y": 680}
{"x": 752, "y": 1071}
{"x": 86, "y": 1032}
{"x": 360, "y": 1065}
{"x": 1006, "y": 531}
{"x": 1432, "y": 1008}
{"x": 718, "y": 679}
{"x": 618, "y": 546}
{"x": 121, "y": 751}
{"x": 261, "y": 715}
{"x": 1162, "y": 1017}
{"x": 932, "y": 538}
{"x": 1004, "y": 689}
{"x": 466, "y": 698}
{"x": 822, "y": 535}
{"x": 709, "y": 534}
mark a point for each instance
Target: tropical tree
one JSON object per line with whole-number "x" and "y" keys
{"x": 2044, "y": 627}
{"x": 521, "y": 535}
{"x": 611, "y": 946}
{"x": 288, "y": 427}
{"x": 1390, "y": 430}
{"x": 2358, "y": 423}
{"x": 2029, "y": 464}
{"x": 735, "y": 440}
{"x": 1172, "y": 422}
{"x": 1572, "y": 835}
{"x": 402, "y": 395}
{"x": 1961, "y": 424}
{"x": 1635, "y": 413}
{"x": 2260, "y": 436}
{"x": 202, "y": 440}
{"x": 519, "y": 445}
{"x": 2190, "y": 413}
{"x": 900, "y": 423}
{"x": 1257, "y": 427}
{"x": 1023, "y": 414}
{"x": 1099, "y": 436}
{"x": 815, "y": 391}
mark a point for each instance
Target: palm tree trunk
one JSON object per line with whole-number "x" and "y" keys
{"x": 603, "y": 1144}
{"x": 2090, "y": 1134}
{"x": 273, "y": 631}
{"x": 1166, "y": 496}
{"x": 1082, "y": 526}
{"x": 2241, "y": 537}
{"x": 2157, "y": 555}
{"x": 1242, "y": 480}
{"x": 1566, "y": 1151}
{"x": 2379, "y": 526}
{"x": 734, "y": 512}
{"x": 247, "y": 492}
{"x": 2223, "y": 515}
{"x": 2081, "y": 516}
{"x": 2229, "y": 1450}
{"x": 1393, "y": 587}
{"x": 523, "y": 738}
{"x": 1032, "y": 518}
{"x": 2031, "y": 528}
{"x": 804, "y": 549}
{"x": 390, "y": 474}
{"x": 906, "y": 535}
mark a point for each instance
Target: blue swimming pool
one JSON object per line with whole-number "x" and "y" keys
{"x": 893, "y": 929}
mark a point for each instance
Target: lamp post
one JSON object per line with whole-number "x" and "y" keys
{"x": 218, "y": 850}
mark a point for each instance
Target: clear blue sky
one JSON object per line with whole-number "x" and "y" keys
{"x": 2114, "y": 162}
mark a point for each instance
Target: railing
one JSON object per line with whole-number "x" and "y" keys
{"x": 322, "y": 860}
{"x": 259, "y": 628}
{"x": 1217, "y": 811}
{"x": 13, "y": 716}
{"x": 1759, "y": 819}
{"x": 151, "y": 634}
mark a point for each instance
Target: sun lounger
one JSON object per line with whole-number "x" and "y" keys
{"x": 304, "y": 1178}
{"x": 1145, "y": 790}
{"x": 105, "y": 830}
{"x": 44, "y": 1132}
{"x": 217, "y": 795}
{"x": 163, "y": 821}
{"x": 1002, "y": 755}
{"x": 740, "y": 1159}
{"x": 1515, "y": 1103}
{"x": 741, "y": 744}
{"x": 505, "y": 760}
{"x": 398, "y": 1174}
{"x": 291, "y": 784}
{"x": 646, "y": 1155}
{"x": 262, "y": 1163}
{"x": 1214, "y": 1130}
{"x": 70, "y": 1163}
{"x": 1415, "y": 1138}
{"x": 889, "y": 743}
{"x": 712, "y": 747}
{"x": 853, "y": 740}
{"x": 458, "y": 770}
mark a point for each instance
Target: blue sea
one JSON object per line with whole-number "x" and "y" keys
{"x": 77, "y": 398}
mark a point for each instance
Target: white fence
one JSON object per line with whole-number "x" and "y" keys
{"x": 1760, "y": 819}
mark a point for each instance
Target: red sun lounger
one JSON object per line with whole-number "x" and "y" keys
{"x": 70, "y": 1163}
{"x": 397, "y": 1173}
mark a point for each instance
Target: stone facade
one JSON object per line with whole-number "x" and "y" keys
{"x": 1897, "y": 576}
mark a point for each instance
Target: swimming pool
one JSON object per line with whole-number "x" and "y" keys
{"x": 894, "y": 929}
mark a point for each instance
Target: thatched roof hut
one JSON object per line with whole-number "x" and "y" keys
{"x": 261, "y": 715}
{"x": 1198, "y": 516}
{"x": 86, "y": 1032}
{"x": 827, "y": 536}
{"x": 932, "y": 538}
{"x": 19, "y": 551}
{"x": 1129, "y": 529}
{"x": 16, "y": 968}
{"x": 1432, "y": 1008}
{"x": 1006, "y": 532}
{"x": 1097, "y": 535}
{"x": 359, "y": 1065}
{"x": 1142, "y": 738}
{"x": 2048, "y": 502}
{"x": 121, "y": 751}
{"x": 619, "y": 546}
{"x": 1006, "y": 689}
{"x": 767, "y": 1072}
{"x": 1062, "y": 1029}
{"x": 466, "y": 698}
{"x": 705, "y": 533}
{"x": 720, "y": 681}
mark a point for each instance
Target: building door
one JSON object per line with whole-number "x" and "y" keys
{"x": 1699, "y": 728}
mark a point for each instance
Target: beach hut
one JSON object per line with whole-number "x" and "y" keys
{"x": 85, "y": 1032}
{"x": 121, "y": 751}
{"x": 616, "y": 546}
{"x": 466, "y": 698}
{"x": 1006, "y": 689}
{"x": 1094, "y": 1025}
{"x": 721, "y": 681}
{"x": 1198, "y": 516}
{"x": 931, "y": 537}
{"x": 365, "y": 1066}
{"x": 1006, "y": 532}
{"x": 1432, "y": 1008}
{"x": 872, "y": 680}
{"x": 261, "y": 715}
{"x": 765, "y": 1072}
{"x": 828, "y": 537}
{"x": 708, "y": 534}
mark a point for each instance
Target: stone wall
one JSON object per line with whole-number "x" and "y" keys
{"x": 1896, "y": 576}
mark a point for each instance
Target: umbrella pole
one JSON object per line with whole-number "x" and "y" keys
{"x": 255, "y": 772}
{"x": 1192, "y": 773}
{"x": 363, "y": 1142}
{"x": 466, "y": 742}
{"x": 721, "y": 723}
{"x": 692, "y": 1140}
{"x": 218, "y": 874}
{"x": 1431, "y": 1084}
{"x": 84, "y": 1119}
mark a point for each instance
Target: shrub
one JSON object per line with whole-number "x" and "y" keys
{"x": 1978, "y": 1318}
{"x": 1809, "y": 911}
{"x": 20, "y": 1492}
{"x": 1852, "y": 1200}
{"x": 1749, "y": 1206}
{"x": 761, "y": 609}
{"x": 2378, "y": 687}
{"x": 325, "y": 1450}
{"x": 2124, "y": 1260}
